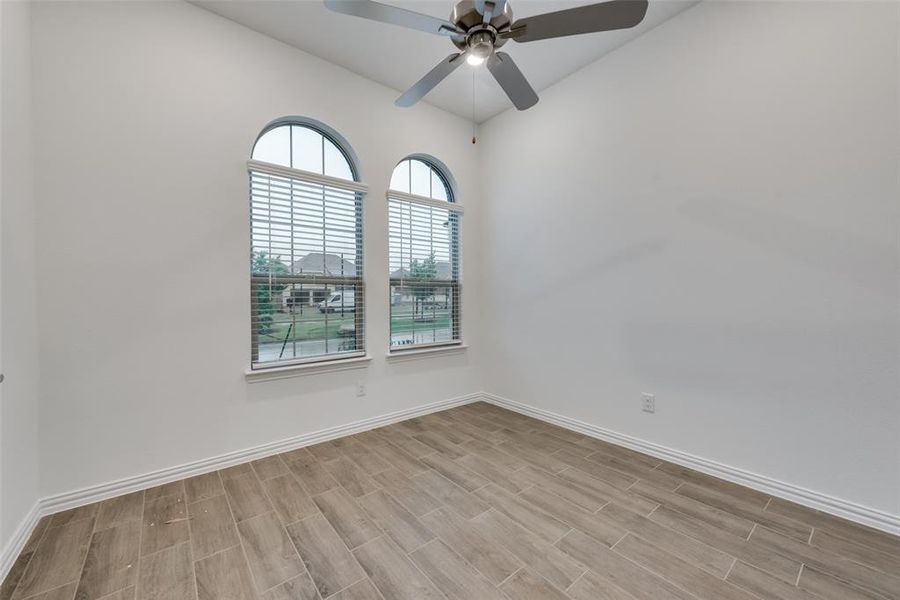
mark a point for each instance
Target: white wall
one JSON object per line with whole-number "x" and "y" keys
{"x": 145, "y": 115}
{"x": 18, "y": 326}
{"x": 710, "y": 214}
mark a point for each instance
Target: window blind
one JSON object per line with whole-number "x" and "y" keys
{"x": 423, "y": 238}
{"x": 307, "y": 294}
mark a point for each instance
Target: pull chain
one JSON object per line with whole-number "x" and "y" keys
{"x": 474, "y": 126}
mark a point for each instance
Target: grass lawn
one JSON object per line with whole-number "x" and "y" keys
{"x": 313, "y": 325}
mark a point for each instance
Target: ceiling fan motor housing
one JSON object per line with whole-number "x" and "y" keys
{"x": 466, "y": 17}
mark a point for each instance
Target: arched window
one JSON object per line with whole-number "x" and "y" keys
{"x": 307, "y": 248}
{"x": 423, "y": 241}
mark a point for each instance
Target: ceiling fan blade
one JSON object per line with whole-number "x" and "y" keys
{"x": 431, "y": 79}
{"x": 367, "y": 9}
{"x": 606, "y": 16}
{"x": 510, "y": 78}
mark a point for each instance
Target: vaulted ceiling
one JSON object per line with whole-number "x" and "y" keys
{"x": 398, "y": 57}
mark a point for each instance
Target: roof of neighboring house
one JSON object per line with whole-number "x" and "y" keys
{"x": 324, "y": 264}
{"x": 441, "y": 267}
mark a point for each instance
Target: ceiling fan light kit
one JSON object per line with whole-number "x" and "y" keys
{"x": 479, "y": 27}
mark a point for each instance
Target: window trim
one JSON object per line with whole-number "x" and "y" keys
{"x": 450, "y": 205}
{"x": 324, "y": 363}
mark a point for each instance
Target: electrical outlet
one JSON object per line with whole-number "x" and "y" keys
{"x": 360, "y": 388}
{"x": 648, "y": 402}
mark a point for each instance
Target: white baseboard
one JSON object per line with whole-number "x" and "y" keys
{"x": 104, "y": 491}
{"x": 851, "y": 511}
{"x": 20, "y": 537}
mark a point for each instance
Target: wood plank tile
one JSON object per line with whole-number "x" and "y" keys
{"x": 635, "y": 469}
{"x": 496, "y": 475}
{"x": 169, "y": 575}
{"x": 111, "y": 563}
{"x": 269, "y": 467}
{"x": 674, "y": 569}
{"x": 393, "y": 574}
{"x": 397, "y": 522}
{"x": 520, "y": 509}
{"x": 325, "y": 555}
{"x": 166, "y": 489}
{"x": 455, "y": 472}
{"x": 412, "y": 446}
{"x": 300, "y": 587}
{"x": 744, "y": 494}
{"x": 212, "y": 526}
{"x": 65, "y": 592}
{"x": 290, "y": 500}
{"x": 774, "y": 564}
{"x": 311, "y": 474}
{"x": 824, "y": 585}
{"x": 542, "y": 460}
{"x": 889, "y": 563}
{"x": 324, "y": 451}
{"x": 493, "y": 455}
{"x": 451, "y": 574}
{"x": 351, "y": 477}
{"x": 561, "y": 444}
{"x": 622, "y": 453}
{"x": 125, "y": 594}
{"x": 74, "y": 514}
{"x": 438, "y": 442}
{"x": 764, "y": 585}
{"x": 604, "y": 489}
{"x": 573, "y": 516}
{"x": 120, "y": 509}
{"x": 611, "y": 476}
{"x": 15, "y": 574}
{"x": 236, "y": 471}
{"x": 574, "y": 493}
{"x": 224, "y": 576}
{"x": 361, "y": 590}
{"x": 57, "y": 559}
{"x": 832, "y": 564}
{"x": 525, "y": 585}
{"x": 450, "y": 494}
{"x": 620, "y": 571}
{"x": 411, "y": 494}
{"x": 246, "y": 497}
{"x": 594, "y": 587}
{"x": 481, "y": 551}
{"x": 401, "y": 460}
{"x": 37, "y": 535}
{"x": 350, "y": 522}
{"x": 773, "y": 521}
{"x": 878, "y": 540}
{"x": 546, "y": 560}
{"x": 270, "y": 552}
{"x": 364, "y": 458}
{"x": 687, "y": 548}
{"x": 165, "y": 523}
{"x": 203, "y": 486}
{"x": 697, "y": 510}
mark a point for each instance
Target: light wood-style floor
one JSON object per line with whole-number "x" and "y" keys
{"x": 474, "y": 503}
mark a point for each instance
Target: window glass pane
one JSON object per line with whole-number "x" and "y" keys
{"x": 438, "y": 189}
{"x": 400, "y": 178}
{"x": 421, "y": 178}
{"x": 300, "y": 231}
{"x": 307, "y": 147}
{"x": 336, "y": 164}
{"x": 274, "y": 147}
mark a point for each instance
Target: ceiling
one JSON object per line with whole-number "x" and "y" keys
{"x": 398, "y": 57}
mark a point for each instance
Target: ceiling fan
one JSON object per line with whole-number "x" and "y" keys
{"x": 479, "y": 27}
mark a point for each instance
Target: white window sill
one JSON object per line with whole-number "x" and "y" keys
{"x": 418, "y": 353}
{"x": 312, "y": 368}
